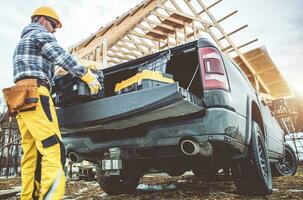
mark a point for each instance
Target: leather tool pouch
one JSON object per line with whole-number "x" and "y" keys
{"x": 21, "y": 97}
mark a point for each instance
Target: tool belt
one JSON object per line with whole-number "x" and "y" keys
{"x": 21, "y": 97}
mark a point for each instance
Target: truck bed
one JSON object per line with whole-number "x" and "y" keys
{"x": 130, "y": 109}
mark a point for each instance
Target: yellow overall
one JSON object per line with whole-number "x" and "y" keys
{"x": 43, "y": 152}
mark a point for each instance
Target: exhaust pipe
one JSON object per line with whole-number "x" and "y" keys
{"x": 76, "y": 158}
{"x": 191, "y": 147}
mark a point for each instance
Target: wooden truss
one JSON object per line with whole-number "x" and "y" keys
{"x": 155, "y": 25}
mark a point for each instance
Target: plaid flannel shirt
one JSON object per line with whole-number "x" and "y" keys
{"x": 38, "y": 53}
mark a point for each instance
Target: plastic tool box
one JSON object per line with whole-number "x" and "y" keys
{"x": 143, "y": 80}
{"x": 70, "y": 90}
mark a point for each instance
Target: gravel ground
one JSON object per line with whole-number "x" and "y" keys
{"x": 184, "y": 187}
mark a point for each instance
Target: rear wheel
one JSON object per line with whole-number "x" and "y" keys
{"x": 175, "y": 172}
{"x": 122, "y": 184}
{"x": 287, "y": 166}
{"x": 253, "y": 174}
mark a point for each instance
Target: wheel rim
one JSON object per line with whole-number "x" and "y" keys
{"x": 286, "y": 166}
{"x": 263, "y": 160}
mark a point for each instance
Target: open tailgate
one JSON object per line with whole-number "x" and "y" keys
{"x": 130, "y": 109}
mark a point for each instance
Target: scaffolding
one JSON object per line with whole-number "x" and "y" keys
{"x": 288, "y": 113}
{"x": 10, "y": 150}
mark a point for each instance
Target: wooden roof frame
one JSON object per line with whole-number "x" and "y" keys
{"x": 154, "y": 25}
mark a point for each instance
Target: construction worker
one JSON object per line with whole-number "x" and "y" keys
{"x": 35, "y": 58}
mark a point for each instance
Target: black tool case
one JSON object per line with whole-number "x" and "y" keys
{"x": 70, "y": 90}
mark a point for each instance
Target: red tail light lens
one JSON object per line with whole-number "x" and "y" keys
{"x": 212, "y": 69}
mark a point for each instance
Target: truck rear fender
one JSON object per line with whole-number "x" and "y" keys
{"x": 253, "y": 114}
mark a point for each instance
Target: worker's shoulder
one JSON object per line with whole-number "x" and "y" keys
{"x": 42, "y": 33}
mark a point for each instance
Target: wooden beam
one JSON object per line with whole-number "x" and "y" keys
{"x": 235, "y": 31}
{"x": 243, "y": 45}
{"x": 205, "y": 26}
{"x": 104, "y": 52}
{"x": 164, "y": 26}
{"x": 137, "y": 43}
{"x": 168, "y": 20}
{"x": 111, "y": 60}
{"x": 171, "y": 27}
{"x": 209, "y": 7}
{"x": 227, "y": 16}
{"x": 257, "y": 83}
{"x": 151, "y": 38}
{"x": 123, "y": 45}
{"x": 129, "y": 55}
{"x": 191, "y": 17}
{"x": 175, "y": 4}
{"x": 118, "y": 31}
{"x": 125, "y": 58}
{"x": 248, "y": 65}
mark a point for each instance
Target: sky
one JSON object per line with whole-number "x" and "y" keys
{"x": 278, "y": 24}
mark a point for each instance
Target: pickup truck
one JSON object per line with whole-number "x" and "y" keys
{"x": 209, "y": 118}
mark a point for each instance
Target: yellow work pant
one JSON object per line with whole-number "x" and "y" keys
{"x": 42, "y": 169}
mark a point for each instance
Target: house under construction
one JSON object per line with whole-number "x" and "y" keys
{"x": 156, "y": 25}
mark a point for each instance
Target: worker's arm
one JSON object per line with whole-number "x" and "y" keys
{"x": 51, "y": 50}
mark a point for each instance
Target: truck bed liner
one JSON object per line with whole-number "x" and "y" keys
{"x": 127, "y": 110}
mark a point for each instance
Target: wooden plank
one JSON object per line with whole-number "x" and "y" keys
{"x": 169, "y": 20}
{"x": 183, "y": 18}
{"x": 164, "y": 26}
{"x": 153, "y": 30}
{"x": 157, "y": 34}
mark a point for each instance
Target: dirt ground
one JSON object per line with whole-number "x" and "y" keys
{"x": 184, "y": 187}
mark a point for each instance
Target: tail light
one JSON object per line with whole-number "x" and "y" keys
{"x": 212, "y": 69}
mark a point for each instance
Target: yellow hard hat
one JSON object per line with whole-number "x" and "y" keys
{"x": 49, "y": 12}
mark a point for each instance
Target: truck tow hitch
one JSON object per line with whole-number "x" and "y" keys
{"x": 112, "y": 165}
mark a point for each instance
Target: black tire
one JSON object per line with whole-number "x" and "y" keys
{"x": 175, "y": 172}
{"x": 253, "y": 174}
{"x": 114, "y": 185}
{"x": 288, "y": 166}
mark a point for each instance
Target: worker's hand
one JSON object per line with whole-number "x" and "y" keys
{"x": 92, "y": 82}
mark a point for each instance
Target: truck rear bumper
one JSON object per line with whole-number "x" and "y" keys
{"x": 223, "y": 128}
